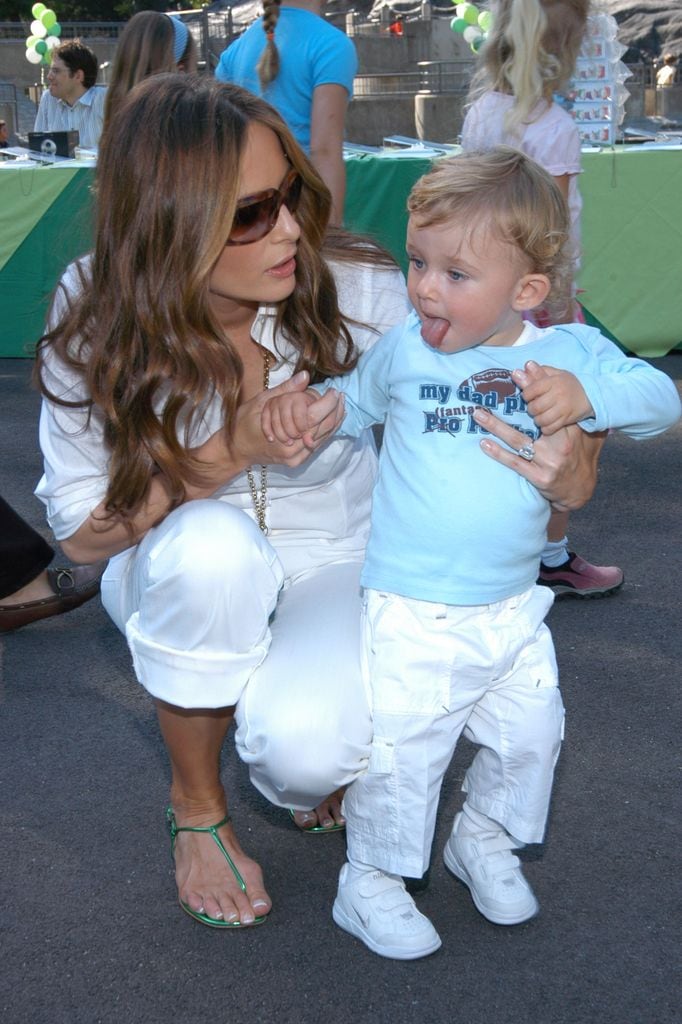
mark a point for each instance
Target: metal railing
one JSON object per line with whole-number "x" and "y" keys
{"x": 641, "y": 74}
{"x": 431, "y": 76}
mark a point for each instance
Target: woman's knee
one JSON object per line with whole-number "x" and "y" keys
{"x": 317, "y": 768}
{"x": 296, "y": 761}
{"x": 210, "y": 545}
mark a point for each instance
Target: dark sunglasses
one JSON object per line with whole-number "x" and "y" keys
{"x": 256, "y": 215}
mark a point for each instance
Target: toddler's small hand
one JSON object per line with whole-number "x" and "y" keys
{"x": 555, "y": 398}
{"x": 306, "y": 417}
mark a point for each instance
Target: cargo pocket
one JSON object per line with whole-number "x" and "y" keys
{"x": 372, "y": 800}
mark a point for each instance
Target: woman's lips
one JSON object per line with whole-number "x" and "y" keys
{"x": 284, "y": 269}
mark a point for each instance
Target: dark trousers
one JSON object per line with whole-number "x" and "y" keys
{"x": 23, "y": 552}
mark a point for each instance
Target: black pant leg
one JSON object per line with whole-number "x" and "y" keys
{"x": 23, "y": 552}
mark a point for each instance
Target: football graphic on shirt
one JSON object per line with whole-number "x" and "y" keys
{"x": 497, "y": 380}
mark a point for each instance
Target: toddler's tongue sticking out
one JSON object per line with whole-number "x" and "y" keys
{"x": 434, "y": 329}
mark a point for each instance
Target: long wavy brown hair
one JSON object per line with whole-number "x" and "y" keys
{"x": 141, "y": 330}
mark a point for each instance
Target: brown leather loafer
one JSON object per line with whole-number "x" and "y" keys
{"x": 72, "y": 587}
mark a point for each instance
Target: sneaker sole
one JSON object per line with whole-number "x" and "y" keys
{"x": 354, "y": 928}
{"x": 456, "y": 868}
{"x": 566, "y": 590}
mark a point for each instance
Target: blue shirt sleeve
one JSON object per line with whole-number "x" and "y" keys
{"x": 367, "y": 388}
{"x": 626, "y": 393}
{"x": 336, "y": 63}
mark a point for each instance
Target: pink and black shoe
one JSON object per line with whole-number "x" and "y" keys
{"x": 578, "y": 578}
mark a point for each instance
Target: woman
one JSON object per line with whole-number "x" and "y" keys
{"x": 149, "y": 44}
{"x": 305, "y": 67}
{"x": 206, "y": 287}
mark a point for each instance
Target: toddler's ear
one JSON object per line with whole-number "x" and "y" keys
{"x": 531, "y": 292}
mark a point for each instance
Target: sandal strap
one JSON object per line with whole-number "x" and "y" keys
{"x": 175, "y": 828}
{"x": 212, "y": 830}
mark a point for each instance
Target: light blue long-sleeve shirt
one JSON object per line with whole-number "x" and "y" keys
{"x": 449, "y": 524}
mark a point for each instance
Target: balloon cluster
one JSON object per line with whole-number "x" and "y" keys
{"x": 472, "y": 24}
{"x": 45, "y": 33}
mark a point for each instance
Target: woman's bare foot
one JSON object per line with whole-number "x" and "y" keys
{"x": 326, "y": 815}
{"x": 204, "y": 878}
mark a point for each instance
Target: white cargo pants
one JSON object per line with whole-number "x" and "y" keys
{"x": 436, "y": 671}
{"x": 208, "y": 624}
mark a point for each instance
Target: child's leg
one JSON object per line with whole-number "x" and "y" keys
{"x": 518, "y": 724}
{"x": 419, "y": 656}
{"x": 418, "y": 661}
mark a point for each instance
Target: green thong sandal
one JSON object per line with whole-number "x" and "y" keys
{"x": 212, "y": 830}
{"x": 316, "y": 830}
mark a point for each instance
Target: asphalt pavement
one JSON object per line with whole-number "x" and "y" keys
{"x": 90, "y": 929}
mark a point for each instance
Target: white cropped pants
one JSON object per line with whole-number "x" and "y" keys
{"x": 436, "y": 671}
{"x": 209, "y": 624}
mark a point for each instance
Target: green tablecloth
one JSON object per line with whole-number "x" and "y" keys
{"x": 45, "y": 221}
{"x": 632, "y": 238}
{"x": 632, "y": 246}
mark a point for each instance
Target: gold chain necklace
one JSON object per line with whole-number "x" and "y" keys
{"x": 260, "y": 501}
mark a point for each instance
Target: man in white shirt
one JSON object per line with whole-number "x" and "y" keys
{"x": 72, "y": 100}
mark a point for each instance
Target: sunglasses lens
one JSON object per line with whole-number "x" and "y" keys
{"x": 253, "y": 221}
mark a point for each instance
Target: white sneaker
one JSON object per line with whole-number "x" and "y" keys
{"x": 375, "y": 908}
{"x": 493, "y": 874}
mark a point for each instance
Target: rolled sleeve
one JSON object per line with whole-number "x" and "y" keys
{"x": 73, "y": 482}
{"x": 75, "y": 459}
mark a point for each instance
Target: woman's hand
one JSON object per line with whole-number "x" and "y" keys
{"x": 564, "y": 467}
{"x": 250, "y": 447}
{"x": 288, "y": 445}
{"x": 308, "y": 416}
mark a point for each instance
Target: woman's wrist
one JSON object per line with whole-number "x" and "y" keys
{"x": 218, "y": 465}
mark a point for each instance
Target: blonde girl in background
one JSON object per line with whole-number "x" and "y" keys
{"x": 150, "y": 44}
{"x": 305, "y": 68}
{"x": 528, "y": 58}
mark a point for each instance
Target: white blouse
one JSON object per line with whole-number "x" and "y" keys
{"x": 316, "y": 512}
